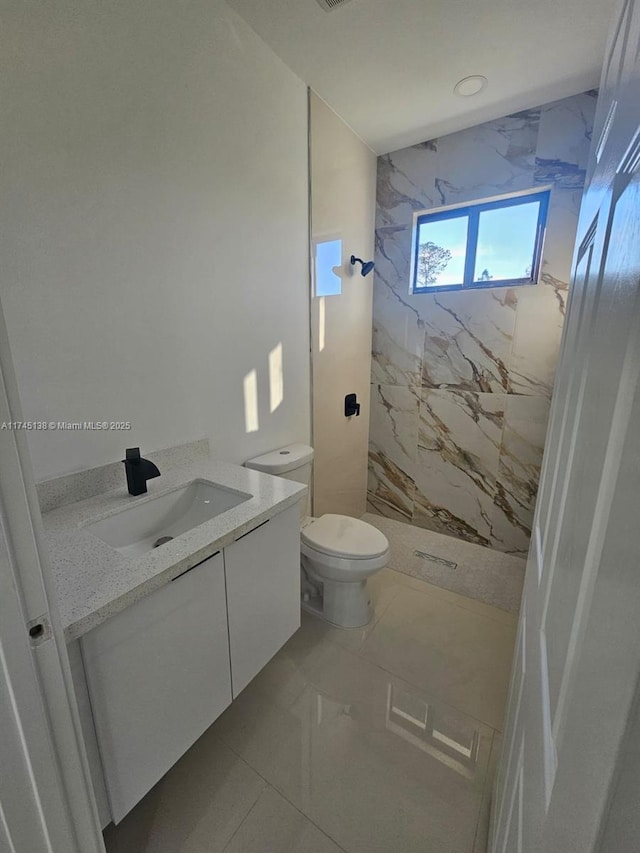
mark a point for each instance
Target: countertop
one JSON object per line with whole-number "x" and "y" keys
{"x": 94, "y": 581}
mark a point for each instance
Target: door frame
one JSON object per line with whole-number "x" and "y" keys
{"x": 47, "y": 800}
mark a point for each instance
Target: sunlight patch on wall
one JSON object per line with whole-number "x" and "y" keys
{"x": 276, "y": 378}
{"x": 250, "y": 384}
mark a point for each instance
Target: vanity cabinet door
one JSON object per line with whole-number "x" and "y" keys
{"x": 158, "y": 676}
{"x": 263, "y": 593}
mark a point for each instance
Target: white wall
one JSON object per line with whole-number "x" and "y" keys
{"x": 343, "y": 192}
{"x": 154, "y": 226}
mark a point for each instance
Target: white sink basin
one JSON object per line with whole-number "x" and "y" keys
{"x": 137, "y": 529}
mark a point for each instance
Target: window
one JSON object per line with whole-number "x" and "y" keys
{"x": 492, "y": 244}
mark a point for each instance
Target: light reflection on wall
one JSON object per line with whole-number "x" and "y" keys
{"x": 276, "y": 378}
{"x": 250, "y": 386}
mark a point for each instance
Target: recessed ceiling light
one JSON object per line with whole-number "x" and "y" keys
{"x": 469, "y": 86}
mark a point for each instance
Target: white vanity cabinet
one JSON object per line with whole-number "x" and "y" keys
{"x": 161, "y": 671}
{"x": 158, "y": 676}
{"x": 263, "y": 593}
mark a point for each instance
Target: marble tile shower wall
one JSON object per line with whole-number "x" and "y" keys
{"x": 462, "y": 382}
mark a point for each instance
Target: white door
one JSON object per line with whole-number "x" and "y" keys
{"x": 577, "y": 660}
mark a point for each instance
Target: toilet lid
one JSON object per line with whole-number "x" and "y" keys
{"x": 345, "y": 537}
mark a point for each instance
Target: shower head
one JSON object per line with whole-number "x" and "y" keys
{"x": 367, "y": 266}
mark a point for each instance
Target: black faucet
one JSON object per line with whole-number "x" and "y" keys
{"x": 138, "y": 471}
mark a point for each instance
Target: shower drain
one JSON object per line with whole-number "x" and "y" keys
{"x": 449, "y": 564}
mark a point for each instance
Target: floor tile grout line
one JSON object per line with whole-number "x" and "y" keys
{"x": 356, "y": 654}
{"x": 433, "y": 589}
{"x": 468, "y": 609}
{"x": 298, "y": 692}
{"x": 422, "y": 689}
{"x": 269, "y": 784}
{"x": 511, "y": 621}
{"x": 253, "y": 805}
{"x": 477, "y": 821}
{"x": 359, "y": 653}
{"x": 455, "y": 603}
{"x": 310, "y": 819}
{"x": 283, "y": 794}
{"x": 371, "y": 625}
{"x": 374, "y": 622}
{"x": 492, "y": 619}
{"x": 436, "y": 696}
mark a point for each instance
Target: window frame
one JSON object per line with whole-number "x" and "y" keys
{"x": 473, "y": 211}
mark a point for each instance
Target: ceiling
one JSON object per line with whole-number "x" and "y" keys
{"x": 388, "y": 67}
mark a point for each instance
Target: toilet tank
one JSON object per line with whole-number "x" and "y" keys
{"x": 293, "y": 462}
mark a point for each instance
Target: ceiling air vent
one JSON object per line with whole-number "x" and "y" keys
{"x": 330, "y": 5}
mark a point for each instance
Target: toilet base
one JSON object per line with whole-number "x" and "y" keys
{"x": 345, "y": 605}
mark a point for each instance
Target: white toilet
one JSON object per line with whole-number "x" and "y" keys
{"x": 338, "y": 553}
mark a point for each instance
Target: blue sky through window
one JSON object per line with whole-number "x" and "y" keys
{"x": 506, "y": 240}
{"x": 503, "y": 235}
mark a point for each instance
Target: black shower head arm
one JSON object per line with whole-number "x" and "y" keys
{"x": 367, "y": 266}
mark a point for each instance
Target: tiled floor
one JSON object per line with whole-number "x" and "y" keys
{"x": 381, "y": 740}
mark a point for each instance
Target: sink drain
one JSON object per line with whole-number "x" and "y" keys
{"x": 162, "y": 540}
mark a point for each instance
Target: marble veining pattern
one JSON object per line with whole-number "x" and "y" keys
{"x": 525, "y": 426}
{"x": 458, "y": 453}
{"x": 497, "y": 156}
{"x": 393, "y": 449}
{"x": 398, "y": 338}
{"x": 443, "y": 468}
{"x": 467, "y": 343}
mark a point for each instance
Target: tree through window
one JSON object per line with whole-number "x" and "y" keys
{"x": 489, "y": 244}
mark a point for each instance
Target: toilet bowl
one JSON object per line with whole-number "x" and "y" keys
{"x": 337, "y": 553}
